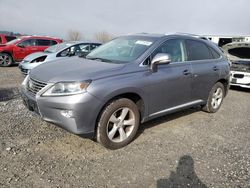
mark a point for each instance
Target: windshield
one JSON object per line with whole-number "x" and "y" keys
{"x": 57, "y": 47}
{"x": 13, "y": 41}
{"x": 121, "y": 50}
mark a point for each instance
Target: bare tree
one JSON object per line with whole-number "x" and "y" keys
{"x": 103, "y": 36}
{"x": 74, "y": 35}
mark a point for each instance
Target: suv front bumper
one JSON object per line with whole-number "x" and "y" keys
{"x": 75, "y": 113}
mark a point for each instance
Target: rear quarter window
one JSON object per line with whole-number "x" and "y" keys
{"x": 214, "y": 53}
{"x": 197, "y": 50}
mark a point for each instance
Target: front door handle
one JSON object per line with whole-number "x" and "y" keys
{"x": 215, "y": 68}
{"x": 186, "y": 72}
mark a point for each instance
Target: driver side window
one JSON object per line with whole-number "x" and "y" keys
{"x": 68, "y": 52}
{"x": 29, "y": 42}
{"x": 173, "y": 47}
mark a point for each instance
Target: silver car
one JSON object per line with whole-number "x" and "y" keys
{"x": 125, "y": 82}
{"x": 59, "y": 51}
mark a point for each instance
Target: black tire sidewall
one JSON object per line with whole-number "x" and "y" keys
{"x": 102, "y": 136}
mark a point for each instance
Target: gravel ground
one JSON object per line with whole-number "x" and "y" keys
{"x": 10, "y": 80}
{"x": 10, "y": 77}
{"x": 186, "y": 149}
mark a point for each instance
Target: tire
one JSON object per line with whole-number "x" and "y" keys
{"x": 112, "y": 132}
{"x": 5, "y": 60}
{"x": 215, "y": 98}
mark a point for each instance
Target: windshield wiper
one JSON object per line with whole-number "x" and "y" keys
{"x": 100, "y": 59}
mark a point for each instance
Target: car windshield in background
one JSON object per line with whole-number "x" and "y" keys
{"x": 13, "y": 41}
{"x": 241, "y": 62}
{"x": 121, "y": 50}
{"x": 57, "y": 47}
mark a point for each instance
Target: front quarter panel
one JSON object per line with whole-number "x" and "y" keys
{"x": 111, "y": 87}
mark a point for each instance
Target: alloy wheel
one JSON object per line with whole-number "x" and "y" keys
{"x": 121, "y": 124}
{"x": 217, "y": 98}
{"x": 5, "y": 59}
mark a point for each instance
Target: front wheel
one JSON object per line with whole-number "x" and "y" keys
{"x": 5, "y": 60}
{"x": 118, "y": 124}
{"x": 215, "y": 98}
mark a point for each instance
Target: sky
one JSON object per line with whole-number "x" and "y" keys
{"x": 58, "y": 17}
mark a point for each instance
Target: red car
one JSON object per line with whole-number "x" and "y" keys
{"x": 6, "y": 38}
{"x": 16, "y": 50}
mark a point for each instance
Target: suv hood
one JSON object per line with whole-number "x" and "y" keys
{"x": 35, "y": 55}
{"x": 73, "y": 69}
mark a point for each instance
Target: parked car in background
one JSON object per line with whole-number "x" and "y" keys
{"x": 56, "y": 52}
{"x": 125, "y": 82}
{"x": 16, "y": 50}
{"x": 6, "y": 38}
{"x": 240, "y": 73}
{"x": 239, "y": 55}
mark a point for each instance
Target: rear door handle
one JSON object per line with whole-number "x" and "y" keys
{"x": 186, "y": 72}
{"x": 215, "y": 68}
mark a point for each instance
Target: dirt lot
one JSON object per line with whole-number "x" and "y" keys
{"x": 185, "y": 149}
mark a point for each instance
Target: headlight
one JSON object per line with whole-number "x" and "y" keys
{"x": 25, "y": 81}
{"x": 67, "y": 88}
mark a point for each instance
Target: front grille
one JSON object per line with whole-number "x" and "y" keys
{"x": 34, "y": 86}
{"x": 238, "y": 75}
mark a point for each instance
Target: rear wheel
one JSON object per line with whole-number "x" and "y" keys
{"x": 215, "y": 98}
{"x": 5, "y": 60}
{"x": 118, "y": 124}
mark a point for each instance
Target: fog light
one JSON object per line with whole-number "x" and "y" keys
{"x": 67, "y": 113}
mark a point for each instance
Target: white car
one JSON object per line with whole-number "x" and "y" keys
{"x": 240, "y": 74}
{"x": 56, "y": 52}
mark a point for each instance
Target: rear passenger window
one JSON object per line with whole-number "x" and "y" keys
{"x": 42, "y": 42}
{"x": 93, "y": 46}
{"x": 197, "y": 50}
{"x": 84, "y": 47}
{"x": 215, "y": 54}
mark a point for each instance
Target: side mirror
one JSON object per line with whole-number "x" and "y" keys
{"x": 20, "y": 45}
{"x": 160, "y": 58}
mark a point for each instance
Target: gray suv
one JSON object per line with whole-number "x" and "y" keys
{"x": 125, "y": 82}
